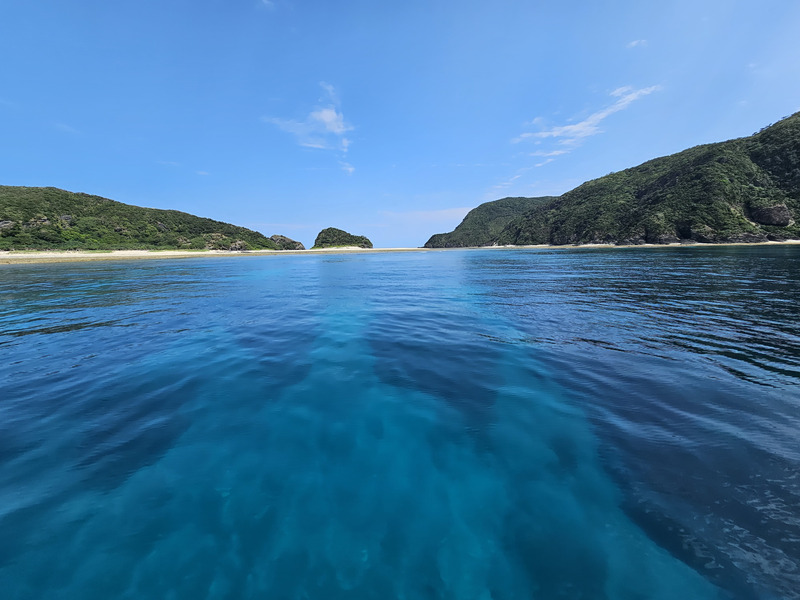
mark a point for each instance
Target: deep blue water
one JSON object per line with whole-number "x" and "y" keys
{"x": 498, "y": 424}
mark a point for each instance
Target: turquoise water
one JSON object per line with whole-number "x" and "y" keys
{"x": 466, "y": 424}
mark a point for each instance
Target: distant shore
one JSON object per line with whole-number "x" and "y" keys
{"x": 58, "y": 256}
{"x": 54, "y": 256}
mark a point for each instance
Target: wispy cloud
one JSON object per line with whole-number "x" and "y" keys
{"x": 507, "y": 183}
{"x": 636, "y": 43}
{"x": 523, "y": 185}
{"x": 330, "y": 93}
{"x": 503, "y": 187}
{"x": 324, "y": 128}
{"x": 563, "y": 139}
{"x": 551, "y": 153}
{"x": 347, "y": 167}
{"x": 203, "y": 173}
{"x": 64, "y": 128}
{"x": 573, "y": 134}
{"x": 330, "y": 119}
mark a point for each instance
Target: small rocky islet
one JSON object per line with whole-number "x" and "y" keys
{"x": 338, "y": 238}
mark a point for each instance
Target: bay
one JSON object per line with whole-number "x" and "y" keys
{"x": 572, "y": 423}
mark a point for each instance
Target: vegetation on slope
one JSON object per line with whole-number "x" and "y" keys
{"x": 483, "y": 224}
{"x": 336, "y": 238}
{"x": 50, "y": 218}
{"x": 743, "y": 190}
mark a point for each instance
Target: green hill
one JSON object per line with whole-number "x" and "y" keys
{"x": 50, "y": 218}
{"x": 743, "y": 190}
{"x": 483, "y": 224}
{"x": 333, "y": 238}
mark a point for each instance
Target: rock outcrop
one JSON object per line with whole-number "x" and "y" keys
{"x": 285, "y": 243}
{"x": 778, "y": 215}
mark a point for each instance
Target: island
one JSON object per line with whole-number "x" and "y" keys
{"x": 48, "y": 218}
{"x": 337, "y": 238}
{"x": 742, "y": 190}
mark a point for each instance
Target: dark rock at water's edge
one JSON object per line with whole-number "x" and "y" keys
{"x": 285, "y": 243}
{"x": 334, "y": 238}
{"x": 745, "y": 190}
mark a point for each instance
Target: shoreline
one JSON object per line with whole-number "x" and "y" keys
{"x": 65, "y": 256}
{"x": 62, "y": 256}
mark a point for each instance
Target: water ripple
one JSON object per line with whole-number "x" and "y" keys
{"x": 476, "y": 424}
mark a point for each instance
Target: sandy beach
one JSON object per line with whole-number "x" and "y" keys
{"x": 52, "y": 256}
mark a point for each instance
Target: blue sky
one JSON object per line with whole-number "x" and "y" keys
{"x": 387, "y": 119}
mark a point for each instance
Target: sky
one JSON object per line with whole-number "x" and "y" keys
{"x": 386, "y": 119}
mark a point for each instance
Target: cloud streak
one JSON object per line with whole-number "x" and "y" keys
{"x": 324, "y": 128}
{"x": 64, "y": 128}
{"x": 565, "y": 138}
{"x": 513, "y": 181}
{"x": 575, "y": 133}
{"x": 549, "y": 154}
{"x": 568, "y": 137}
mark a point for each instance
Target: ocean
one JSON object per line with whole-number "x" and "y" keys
{"x": 465, "y": 424}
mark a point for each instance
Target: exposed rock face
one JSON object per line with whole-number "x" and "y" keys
{"x": 746, "y": 238}
{"x": 664, "y": 239}
{"x": 772, "y": 215}
{"x": 6, "y": 224}
{"x": 703, "y": 234}
{"x": 285, "y": 243}
{"x": 239, "y": 245}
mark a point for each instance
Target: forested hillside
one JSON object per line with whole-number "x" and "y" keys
{"x": 743, "y": 190}
{"x": 50, "y": 218}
